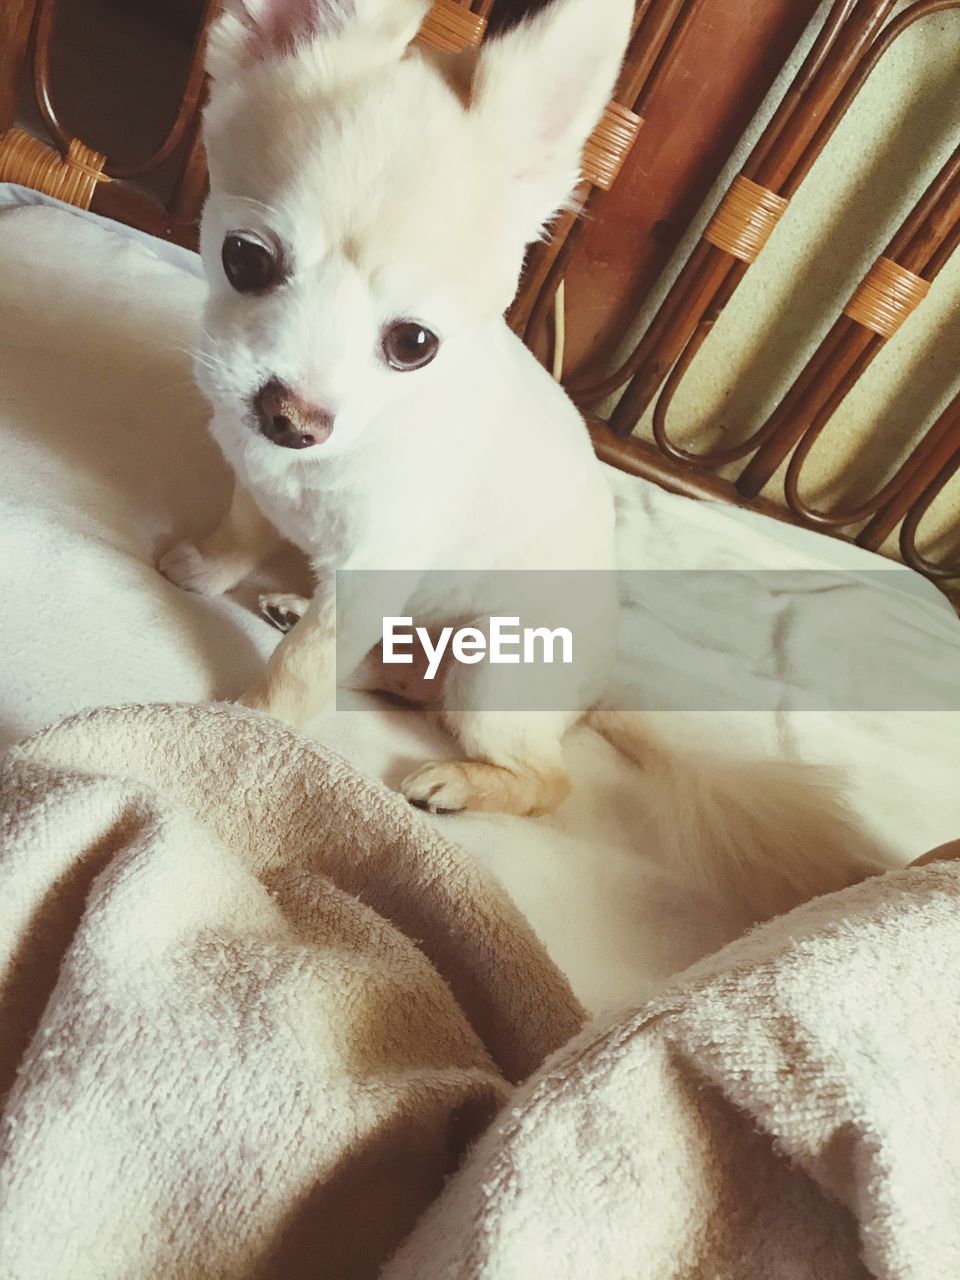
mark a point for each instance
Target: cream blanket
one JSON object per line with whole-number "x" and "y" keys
{"x": 788, "y": 1110}
{"x": 254, "y": 1011}
{"x": 252, "y": 1008}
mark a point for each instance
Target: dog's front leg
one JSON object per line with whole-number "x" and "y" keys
{"x": 242, "y": 541}
{"x": 332, "y": 639}
{"x": 301, "y": 675}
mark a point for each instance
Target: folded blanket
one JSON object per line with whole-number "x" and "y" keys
{"x": 789, "y": 1109}
{"x": 254, "y": 1012}
{"x": 252, "y": 1008}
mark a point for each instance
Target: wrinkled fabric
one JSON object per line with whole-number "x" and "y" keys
{"x": 252, "y": 1008}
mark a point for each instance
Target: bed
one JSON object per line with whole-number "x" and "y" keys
{"x": 106, "y": 460}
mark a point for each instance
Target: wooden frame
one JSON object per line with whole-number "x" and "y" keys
{"x": 844, "y": 54}
{"x": 26, "y": 32}
{"x": 659, "y": 27}
{"x": 855, "y": 37}
{"x": 65, "y": 168}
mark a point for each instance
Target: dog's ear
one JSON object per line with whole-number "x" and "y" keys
{"x": 252, "y": 31}
{"x": 541, "y": 89}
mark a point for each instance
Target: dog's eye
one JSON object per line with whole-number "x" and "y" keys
{"x": 408, "y": 345}
{"x": 249, "y": 263}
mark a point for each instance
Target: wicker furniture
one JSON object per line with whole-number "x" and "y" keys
{"x": 650, "y": 370}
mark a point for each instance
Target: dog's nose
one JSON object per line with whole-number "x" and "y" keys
{"x": 289, "y": 420}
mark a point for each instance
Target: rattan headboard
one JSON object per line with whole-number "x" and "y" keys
{"x": 63, "y": 166}
{"x": 648, "y": 370}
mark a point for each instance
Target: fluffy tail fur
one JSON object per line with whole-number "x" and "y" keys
{"x": 768, "y": 833}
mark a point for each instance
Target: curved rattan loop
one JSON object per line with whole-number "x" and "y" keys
{"x": 745, "y": 219}
{"x": 609, "y": 145}
{"x": 791, "y": 483}
{"x": 908, "y": 530}
{"x": 877, "y": 307}
{"x": 186, "y": 112}
{"x": 190, "y": 104}
{"x": 589, "y": 392}
{"x": 904, "y": 477}
{"x": 734, "y": 452}
{"x": 46, "y": 13}
{"x": 631, "y": 367}
{"x": 866, "y": 66}
{"x": 715, "y": 457}
{"x": 72, "y": 178}
{"x": 451, "y": 28}
{"x": 888, "y": 294}
{"x": 865, "y": 510}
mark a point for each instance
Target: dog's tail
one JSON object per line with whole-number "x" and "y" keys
{"x": 766, "y": 834}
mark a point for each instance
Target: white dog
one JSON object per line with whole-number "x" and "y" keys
{"x": 369, "y": 210}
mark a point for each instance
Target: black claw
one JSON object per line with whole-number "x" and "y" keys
{"x": 427, "y": 807}
{"x": 275, "y": 617}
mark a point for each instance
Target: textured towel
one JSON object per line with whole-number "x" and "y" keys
{"x": 788, "y": 1110}
{"x": 254, "y": 1012}
{"x": 252, "y": 1008}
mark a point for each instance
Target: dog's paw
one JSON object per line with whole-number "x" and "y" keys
{"x": 185, "y": 566}
{"x": 451, "y": 787}
{"x": 439, "y": 788}
{"x": 283, "y": 611}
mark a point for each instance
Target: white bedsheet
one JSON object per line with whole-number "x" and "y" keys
{"x": 104, "y": 459}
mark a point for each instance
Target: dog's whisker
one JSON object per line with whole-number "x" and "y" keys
{"x": 208, "y": 335}
{"x": 207, "y": 360}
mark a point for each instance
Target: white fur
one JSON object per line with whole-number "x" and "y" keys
{"x": 399, "y": 187}
{"x": 763, "y": 834}
{"x": 395, "y": 192}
